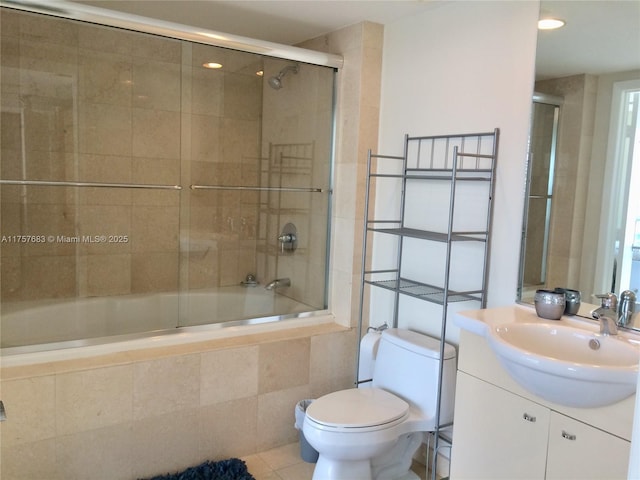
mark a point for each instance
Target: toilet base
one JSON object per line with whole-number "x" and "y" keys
{"x": 360, "y": 470}
{"x": 395, "y": 463}
{"x": 352, "y": 470}
{"x": 409, "y": 476}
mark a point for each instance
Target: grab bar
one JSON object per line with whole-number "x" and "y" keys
{"x": 260, "y": 189}
{"x": 48, "y": 183}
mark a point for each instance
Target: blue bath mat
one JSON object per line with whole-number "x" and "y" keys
{"x": 232, "y": 469}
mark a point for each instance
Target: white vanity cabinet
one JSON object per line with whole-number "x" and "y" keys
{"x": 577, "y": 450}
{"x": 497, "y": 435}
{"x": 501, "y": 431}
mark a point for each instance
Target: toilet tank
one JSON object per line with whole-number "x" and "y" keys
{"x": 407, "y": 364}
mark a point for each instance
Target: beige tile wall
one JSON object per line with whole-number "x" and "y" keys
{"x": 226, "y": 118}
{"x": 575, "y": 137}
{"x": 358, "y": 100}
{"x": 132, "y": 415}
{"x": 88, "y": 104}
{"x": 296, "y": 152}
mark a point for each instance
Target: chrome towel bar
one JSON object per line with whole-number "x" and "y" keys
{"x": 48, "y": 183}
{"x": 260, "y": 189}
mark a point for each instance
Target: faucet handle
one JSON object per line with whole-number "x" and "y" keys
{"x": 608, "y": 300}
{"x": 287, "y": 238}
{"x": 626, "y": 307}
{"x": 628, "y": 297}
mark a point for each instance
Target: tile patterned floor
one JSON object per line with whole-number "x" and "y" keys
{"x": 284, "y": 463}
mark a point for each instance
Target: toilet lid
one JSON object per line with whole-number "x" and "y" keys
{"x": 357, "y": 408}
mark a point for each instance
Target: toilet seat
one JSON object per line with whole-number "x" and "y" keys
{"x": 357, "y": 409}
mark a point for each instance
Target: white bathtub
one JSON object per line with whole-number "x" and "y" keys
{"x": 38, "y": 326}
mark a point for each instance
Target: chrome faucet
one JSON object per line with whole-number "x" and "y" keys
{"x": 607, "y": 314}
{"x": 608, "y": 324}
{"x": 618, "y": 314}
{"x": 277, "y": 283}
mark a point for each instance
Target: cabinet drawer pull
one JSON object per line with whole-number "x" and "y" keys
{"x": 568, "y": 436}
{"x": 529, "y": 418}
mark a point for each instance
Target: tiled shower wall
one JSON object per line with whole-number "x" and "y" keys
{"x": 87, "y": 103}
{"x": 302, "y": 109}
{"x": 222, "y": 123}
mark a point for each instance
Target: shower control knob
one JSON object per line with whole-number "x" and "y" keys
{"x": 287, "y": 238}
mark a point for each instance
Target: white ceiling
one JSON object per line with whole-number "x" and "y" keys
{"x": 282, "y": 21}
{"x": 600, "y": 35}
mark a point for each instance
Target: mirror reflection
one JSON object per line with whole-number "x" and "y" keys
{"x": 582, "y": 211}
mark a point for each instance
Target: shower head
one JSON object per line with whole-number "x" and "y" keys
{"x": 276, "y": 82}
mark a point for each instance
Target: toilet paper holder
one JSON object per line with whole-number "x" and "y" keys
{"x": 367, "y": 351}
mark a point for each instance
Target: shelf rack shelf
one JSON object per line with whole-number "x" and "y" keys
{"x": 434, "y": 236}
{"x": 423, "y": 291}
{"x": 456, "y": 161}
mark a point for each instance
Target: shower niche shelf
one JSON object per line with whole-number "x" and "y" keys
{"x": 430, "y": 224}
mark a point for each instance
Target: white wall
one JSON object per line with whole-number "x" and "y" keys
{"x": 464, "y": 67}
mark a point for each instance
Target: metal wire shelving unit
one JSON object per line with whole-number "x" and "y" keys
{"x": 453, "y": 160}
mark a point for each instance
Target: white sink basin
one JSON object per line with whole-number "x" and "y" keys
{"x": 566, "y": 365}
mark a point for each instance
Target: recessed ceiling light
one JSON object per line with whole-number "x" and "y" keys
{"x": 550, "y": 23}
{"x": 260, "y": 73}
{"x": 212, "y": 65}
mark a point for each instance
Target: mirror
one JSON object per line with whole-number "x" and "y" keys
{"x": 582, "y": 212}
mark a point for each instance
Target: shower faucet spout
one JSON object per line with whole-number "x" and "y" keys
{"x": 278, "y": 283}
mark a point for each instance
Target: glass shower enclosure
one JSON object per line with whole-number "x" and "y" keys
{"x": 149, "y": 183}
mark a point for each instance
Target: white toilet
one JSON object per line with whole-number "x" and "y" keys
{"x": 373, "y": 433}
